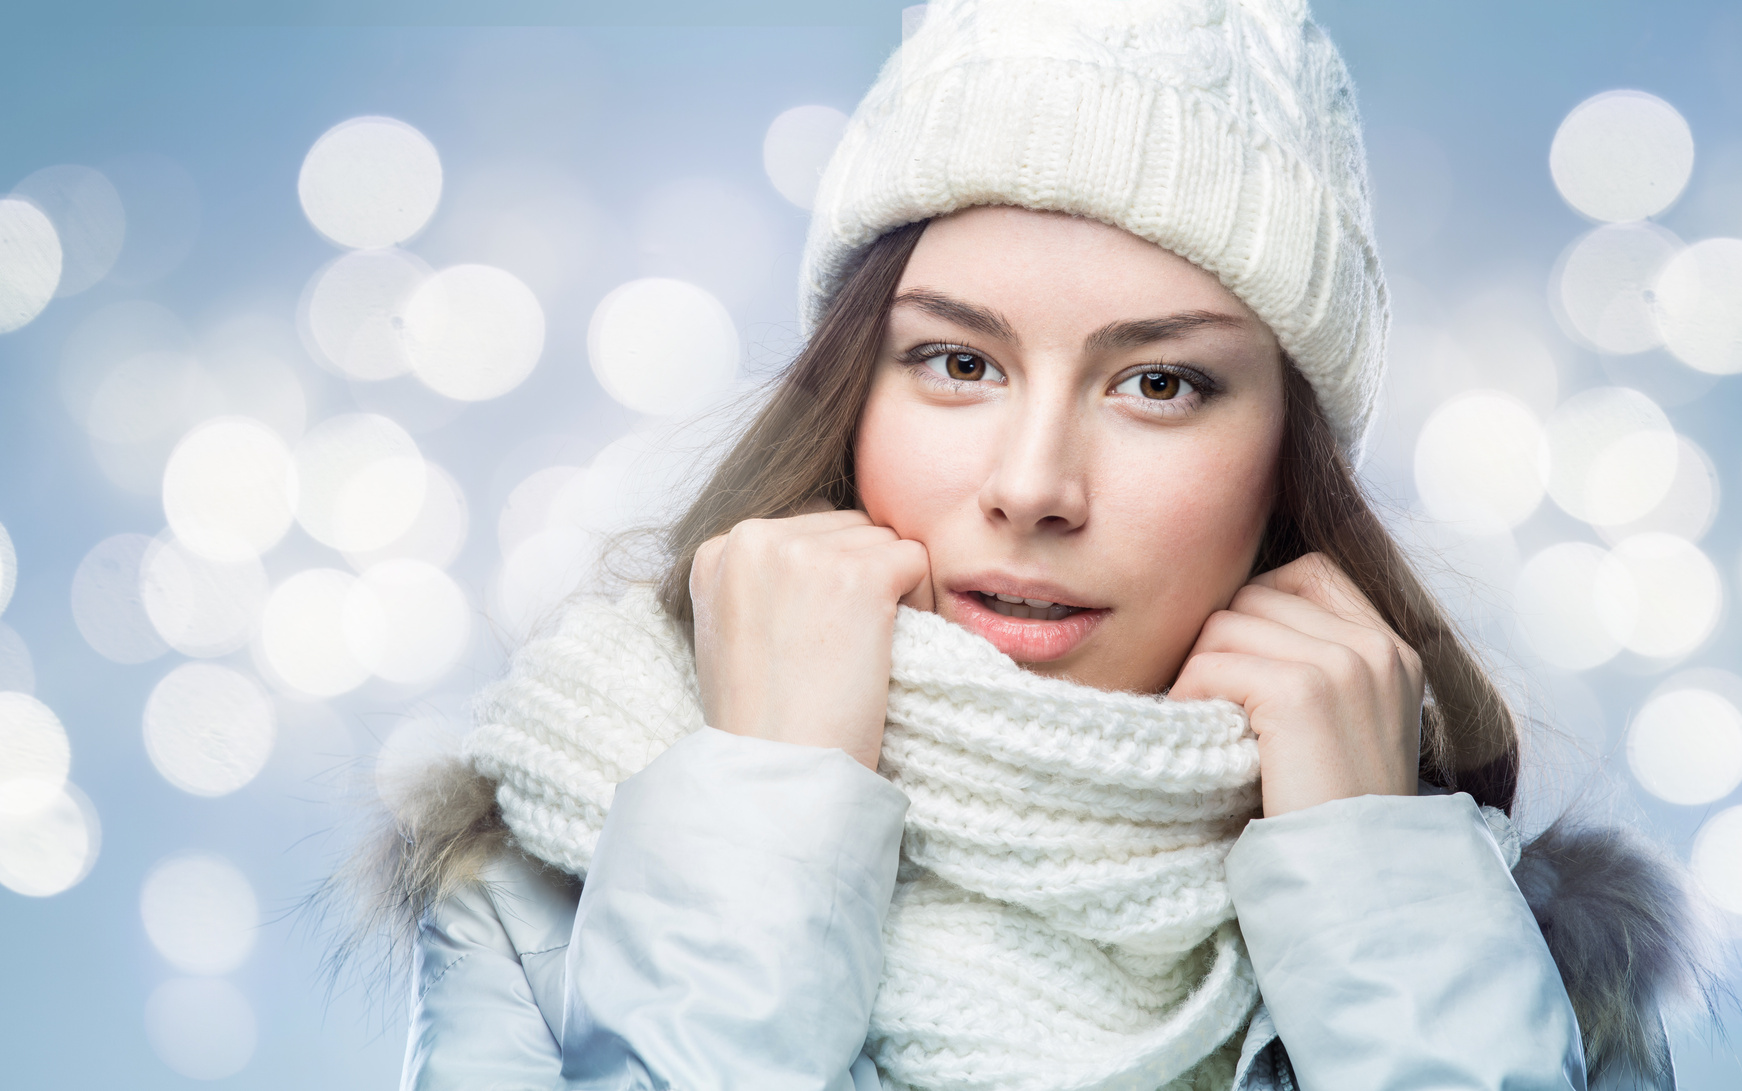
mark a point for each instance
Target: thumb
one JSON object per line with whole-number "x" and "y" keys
{"x": 920, "y": 596}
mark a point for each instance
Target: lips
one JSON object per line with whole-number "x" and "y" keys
{"x": 1030, "y": 623}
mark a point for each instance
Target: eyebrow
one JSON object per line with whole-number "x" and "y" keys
{"x": 1134, "y": 333}
{"x": 981, "y": 320}
{"x": 1145, "y": 331}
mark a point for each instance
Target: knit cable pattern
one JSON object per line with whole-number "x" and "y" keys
{"x": 1060, "y": 920}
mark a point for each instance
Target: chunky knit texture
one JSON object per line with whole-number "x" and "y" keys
{"x": 1060, "y": 919}
{"x": 1222, "y": 130}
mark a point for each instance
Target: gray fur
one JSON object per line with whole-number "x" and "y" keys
{"x": 1628, "y": 938}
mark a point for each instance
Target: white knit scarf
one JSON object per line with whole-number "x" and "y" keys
{"x": 1061, "y": 918}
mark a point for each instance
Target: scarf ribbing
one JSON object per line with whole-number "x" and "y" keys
{"x": 1060, "y": 918}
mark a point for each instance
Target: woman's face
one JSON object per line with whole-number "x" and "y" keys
{"x": 1067, "y": 414}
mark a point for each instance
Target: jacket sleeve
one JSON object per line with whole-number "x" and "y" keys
{"x": 730, "y": 929}
{"x": 1393, "y": 950}
{"x": 475, "y": 1023}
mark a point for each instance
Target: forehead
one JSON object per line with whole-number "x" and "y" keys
{"x": 1037, "y": 266}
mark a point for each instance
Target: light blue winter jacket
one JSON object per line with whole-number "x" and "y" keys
{"x": 729, "y": 936}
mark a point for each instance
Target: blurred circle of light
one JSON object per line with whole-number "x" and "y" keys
{"x": 1659, "y": 595}
{"x": 797, "y": 148}
{"x": 1622, "y": 156}
{"x": 201, "y": 607}
{"x": 229, "y": 489}
{"x": 1717, "y": 859}
{"x": 51, "y": 848}
{"x": 201, "y": 1027}
{"x": 8, "y": 568}
{"x": 473, "y": 332}
{"x": 528, "y": 511}
{"x": 1557, "y": 609}
{"x": 200, "y": 913}
{"x": 1685, "y": 746}
{"x": 408, "y": 753}
{"x": 108, "y": 336}
{"x": 407, "y": 621}
{"x": 87, "y": 215}
{"x": 1606, "y": 282}
{"x": 1475, "y": 462}
{"x": 149, "y": 395}
{"x": 437, "y": 533}
{"x": 17, "y": 674}
{"x": 34, "y": 754}
{"x": 30, "y": 262}
{"x": 302, "y": 634}
{"x": 370, "y": 182}
{"x": 208, "y": 729}
{"x": 1687, "y": 509}
{"x": 1698, "y": 306}
{"x": 107, "y": 606}
{"x": 662, "y": 346}
{"x": 360, "y": 480}
{"x": 539, "y": 574}
{"x": 356, "y": 309}
{"x": 1610, "y": 455}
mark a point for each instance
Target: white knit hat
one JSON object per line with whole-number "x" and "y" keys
{"x": 1222, "y": 130}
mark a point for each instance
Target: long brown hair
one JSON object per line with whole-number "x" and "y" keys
{"x": 800, "y": 447}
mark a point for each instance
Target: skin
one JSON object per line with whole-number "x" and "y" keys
{"x": 1064, "y": 412}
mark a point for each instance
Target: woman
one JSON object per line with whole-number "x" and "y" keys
{"x": 1097, "y": 331}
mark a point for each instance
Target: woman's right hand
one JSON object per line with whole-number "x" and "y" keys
{"x": 794, "y": 619}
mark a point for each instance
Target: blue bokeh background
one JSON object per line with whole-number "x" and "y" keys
{"x": 579, "y": 122}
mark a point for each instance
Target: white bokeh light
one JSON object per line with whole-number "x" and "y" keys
{"x": 201, "y": 607}
{"x": 355, "y": 311}
{"x": 302, "y": 634}
{"x": 1717, "y": 859}
{"x": 17, "y": 672}
{"x": 437, "y": 533}
{"x": 1622, "y": 155}
{"x": 662, "y": 346}
{"x": 1698, "y": 306}
{"x": 200, "y": 912}
{"x": 34, "y": 754}
{"x": 201, "y": 1027}
{"x": 407, "y": 621}
{"x": 8, "y": 568}
{"x": 1555, "y": 599}
{"x": 797, "y": 147}
{"x": 107, "y": 606}
{"x": 1606, "y": 283}
{"x": 87, "y": 216}
{"x": 542, "y": 571}
{"x": 149, "y": 396}
{"x": 30, "y": 262}
{"x": 528, "y": 510}
{"x": 370, "y": 182}
{"x": 1659, "y": 595}
{"x": 52, "y": 847}
{"x": 1687, "y": 508}
{"x": 1476, "y": 462}
{"x": 473, "y": 332}
{"x": 230, "y": 489}
{"x": 408, "y": 753}
{"x": 1685, "y": 746}
{"x": 1611, "y": 455}
{"x": 208, "y": 729}
{"x": 360, "y": 481}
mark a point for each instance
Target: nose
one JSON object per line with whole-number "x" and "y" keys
{"x": 1037, "y": 480}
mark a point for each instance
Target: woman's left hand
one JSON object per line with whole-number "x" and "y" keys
{"x": 1333, "y": 694}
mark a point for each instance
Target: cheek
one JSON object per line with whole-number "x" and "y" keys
{"x": 912, "y": 464}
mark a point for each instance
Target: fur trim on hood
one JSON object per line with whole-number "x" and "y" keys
{"x": 1630, "y": 940}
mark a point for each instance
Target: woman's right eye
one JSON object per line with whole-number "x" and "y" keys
{"x": 966, "y": 367}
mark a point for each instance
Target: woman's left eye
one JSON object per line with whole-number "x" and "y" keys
{"x": 1161, "y": 386}
{"x": 965, "y": 367}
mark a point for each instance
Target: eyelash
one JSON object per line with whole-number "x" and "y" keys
{"x": 1203, "y": 387}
